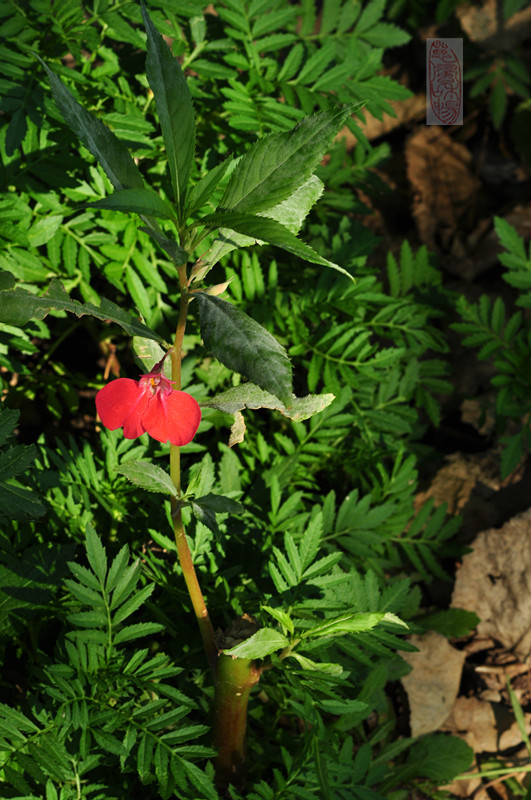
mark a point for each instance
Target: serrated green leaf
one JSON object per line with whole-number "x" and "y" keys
{"x": 348, "y": 623}
{"x": 109, "y": 151}
{"x": 440, "y": 758}
{"x": 138, "y": 201}
{"x": 244, "y": 346}
{"x": 84, "y": 594}
{"x": 126, "y": 584}
{"x": 8, "y": 419}
{"x": 16, "y": 502}
{"x": 149, "y": 476}
{"x": 260, "y": 229}
{"x": 116, "y": 569}
{"x": 219, "y": 504}
{"x": 144, "y": 756}
{"x": 174, "y": 108}
{"x": 498, "y": 103}
{"x": 7, "y": 281}
{"x": 96, "y": 554}
{"x": 137, "y": 631}
{"x": 15, "y": 460}
{"x": 317, "y": 666}
{"x": 84, "y": 575}
{"x": 18, "y": 306}
{"x": 234, "y": 400}
{"x": 44, "y": 229}
{"x": 204, "y": 188}
{"x": 132, "y": 604}
{"x": 262, "y": 643}
{"x": 88, "y": 619}
{"x": 199, "y": 780}
{"x": 281, "y": 616}
{"x": 290, "y": 213}
{"x": 279, "y": 163}
{"x": 452, "y": 622}
{"x": 512, "y": 453}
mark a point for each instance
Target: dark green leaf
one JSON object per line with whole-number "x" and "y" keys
{"x": 8, "y": 419}
{"x": 244, "y": 346}
{"x": 174, "y": 107}
{"x": 109, "y": 151}
{"x": 263, "y": 229}
{"x": 203, "y": 190}
{"x": 219, "y": 504}
{"x": 205, "y": 509}
{"x": 137, "y": 631}
{"x": 96, "y": 554}
{"x": 18, "y": 306}
{"x": 139, "y": 201}
{"x": 440, "y": 757}
{"x": 452, "y": 622}
{"x": 16, "y": 502}
{"x": 7, "y": 281}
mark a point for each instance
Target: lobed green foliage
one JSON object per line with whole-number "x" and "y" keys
{"x": 506, "y": 339}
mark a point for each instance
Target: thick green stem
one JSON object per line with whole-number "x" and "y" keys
{"x": 235, "y": 677}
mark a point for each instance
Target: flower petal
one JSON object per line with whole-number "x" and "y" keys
{"x": 121, "y": 403}
{"x": 172, "y": 417}
{"x": 114, "y": 401}
{"x": 133, "y": 424}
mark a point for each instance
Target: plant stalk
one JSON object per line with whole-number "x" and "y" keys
{"x": 183, "y": 550}
{"x": 235, "y": 677}
{"x": 194, "y": 590}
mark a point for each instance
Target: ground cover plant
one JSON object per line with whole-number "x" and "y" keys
{"x": 215, "y": 407}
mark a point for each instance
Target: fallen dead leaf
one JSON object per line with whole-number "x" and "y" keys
{"x": 468, "y": 483}
{"x": 474, "y": 721}
{"x": 484, "y": 25}
{"x": 433, "y": 682}
{"x": 439, "y": 170}
{"x": 494, "y": 581}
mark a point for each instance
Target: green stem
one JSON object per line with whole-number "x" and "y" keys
{"x": 183, "y": 550}
{"x": 235, "y": 677}
{"x": 194, "y": 590}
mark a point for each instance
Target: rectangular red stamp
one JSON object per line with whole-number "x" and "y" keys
{"x": 444, "y": 81}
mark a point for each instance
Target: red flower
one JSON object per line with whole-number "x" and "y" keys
{"x": 149, "y": 405}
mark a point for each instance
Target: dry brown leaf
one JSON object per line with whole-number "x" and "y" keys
{"x": 440, "y": 172}
{"x": 494, "y": 581}
{"x": 456, "y": 481}
{"x": 484, "y": 25}
{"x": 475, "y": 722}
{"x": 433, "y": 682}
